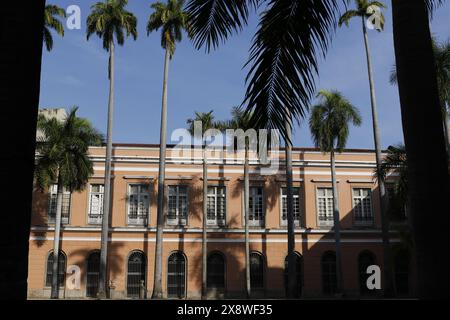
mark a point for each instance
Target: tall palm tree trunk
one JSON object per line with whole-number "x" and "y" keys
{"x": 290, "y": 212}
{"x": 388, "y": 279}
{"x": 56, "y": 241}
{"x": 103, "y": 277}
{"x": 247, "y": 229}
{"x": 157, "y": 284}
{"x": 428, "y": 178}
{"x": 205, "y": 235}
{"x": 337, "y": 225}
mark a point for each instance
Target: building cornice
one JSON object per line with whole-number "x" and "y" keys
{"x": 199, "y": 230}
{"x": 155, "y": 147}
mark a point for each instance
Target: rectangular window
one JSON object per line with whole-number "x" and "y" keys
{"x": 257, "y": 214}
{"x": 297, "y": 213}
{"x": 177, "y": 209}
{"x": 325, "y": 206}
{"x": 216, "y": 206}
{"x": 95, "y": 212}
{"x": 138, "y": 204}
{"x": 362, "y": 206}
{"x": 65, "y": 212}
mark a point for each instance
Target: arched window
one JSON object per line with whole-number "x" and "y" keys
{"x": 365, "y": 259}
{"x": 256, "y": 271}
{"x": 136, "y": 274}
{"x": 176, "y": 276}
{"x": 298, "y": 273}
{"x": 216, "y": 271}
{"x": 92, "y": 274}
{"x": 402, "y": 269}
{"x": 61, "y": 269}
{"x": 329, "y": 277}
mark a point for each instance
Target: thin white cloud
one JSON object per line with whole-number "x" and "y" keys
{"x": 70, "y": 81}
{"x": 92, "y": 47}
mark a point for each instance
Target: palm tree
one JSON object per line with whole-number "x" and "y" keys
{"x": 172, "y": 19}
{"x": 442, "y": 58}
{"x": 329, "y": 125}
{"x": 395, "y": 162}
{"x": 111, "y": 23}
{"x": 207, "y": 122}
{"x": 51, "y": 14}
{"x": 241, "y": 120}
{"x": 292, "y": 277}
{"x": 365, "y": 9}
{"x": 282, "y": 64}
{"x": 428, "y": 176}
{"x": 63, "y": 157}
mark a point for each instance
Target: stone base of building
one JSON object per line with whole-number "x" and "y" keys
{"x": 121, "y": 295}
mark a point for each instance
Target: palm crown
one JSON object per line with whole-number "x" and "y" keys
{"x": 51, "y": 22}
{"x": 63, "y": 151}
{"x": 442, "y": 58}
{"x": 395, "y": 162}
{"x": 206, "y": 118}
{"x": 172, "y": 19}
{"x": 109, "y": 19}
{"x": 329, "y": 122}
{"x": 363, "y": 10}
{"x": 240, "y": 119}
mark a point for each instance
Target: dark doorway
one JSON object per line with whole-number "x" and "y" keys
{"x": 176, "y": 276}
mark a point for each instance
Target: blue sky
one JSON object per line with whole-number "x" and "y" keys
{"x": 75, "y": 74}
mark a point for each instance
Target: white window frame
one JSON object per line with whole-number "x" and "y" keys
{"x": 297, "y": 196}
{"x": 328, "y": 207}
{"x": 370, "y": 214}
{"x": 179, "y": 220}
{"x": 96, "y": 220}
{"x": 53, "y": 194}
{"x": 142, "y": 217}
{"x": 254, "y": 194}
{"x": 217, "y": 222}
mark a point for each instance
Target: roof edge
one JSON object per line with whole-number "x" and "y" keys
{"x": 301, "y": 149}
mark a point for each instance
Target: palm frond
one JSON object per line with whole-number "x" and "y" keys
{"x": 110, "y": 20}
{"x": 395, "y": 161}
{"x": 393, "y": 76}
{"x": 364, "y": 9}
{"x": 171, "y": 18}
{"x": 283, "y": 60}
{"x": 347, "y": 16}
{"x": 213, "y": 21}
{"x": 441, "y": 52}
{"x": 442, "y": 59}
{"x": 433, "y": 5}
{"x": 206, "y": 119}
{"x": 48, "y": 39}
{"x": 51, "y": 22}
